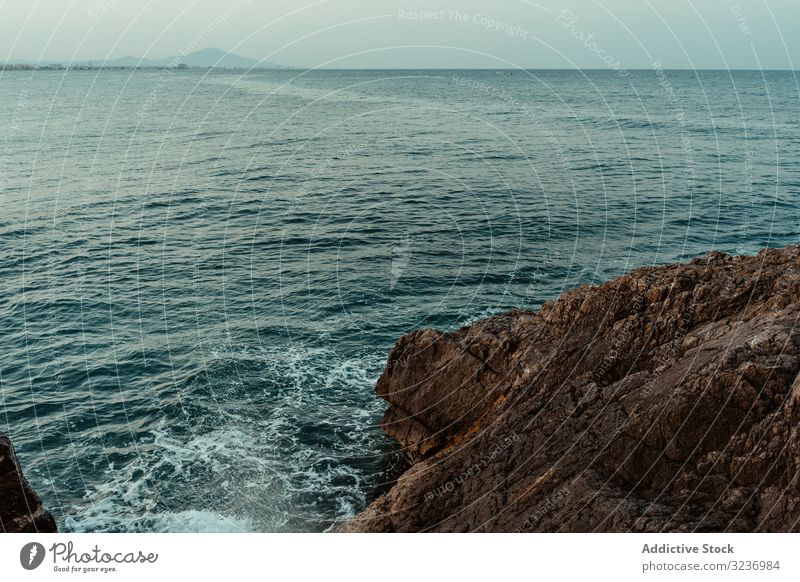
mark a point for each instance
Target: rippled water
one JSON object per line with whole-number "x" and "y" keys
{"x": 201, "y": 273}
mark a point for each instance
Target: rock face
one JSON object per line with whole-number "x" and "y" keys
{"x": 21, "y": 509}
{"x": 665, "y": 400}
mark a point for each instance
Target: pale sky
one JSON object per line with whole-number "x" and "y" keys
{"x": 735, "y": 34}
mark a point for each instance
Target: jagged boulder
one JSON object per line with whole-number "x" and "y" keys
{"x": 667, "y": 399}
{"x": 21, "y": 509}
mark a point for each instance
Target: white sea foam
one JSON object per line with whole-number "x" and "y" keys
{"x": 255, "y": 469}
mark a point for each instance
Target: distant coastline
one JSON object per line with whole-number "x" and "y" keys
{"x": 181, "y": 67}
{"x": 204, "y": 59}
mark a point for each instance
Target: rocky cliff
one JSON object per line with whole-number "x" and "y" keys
{"x": 665, "y": 400}
{"x": 21, "y": 510}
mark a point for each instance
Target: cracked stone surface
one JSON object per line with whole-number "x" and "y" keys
{"x": 667, "y": 399}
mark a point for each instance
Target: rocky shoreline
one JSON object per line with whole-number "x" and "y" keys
{"x": 667, "y": 399}
{"x": 21, "y": 509}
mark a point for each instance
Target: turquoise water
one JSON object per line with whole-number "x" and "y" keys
{"x": 201, "y": 273}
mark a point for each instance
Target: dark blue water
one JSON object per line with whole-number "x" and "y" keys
{"x": 201, "y": 273}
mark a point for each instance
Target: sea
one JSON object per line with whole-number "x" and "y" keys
{"x": 202, "y": 271}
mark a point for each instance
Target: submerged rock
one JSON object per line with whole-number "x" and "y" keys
{"x": 667, "y": 399}
{"x": 21, "y": 510}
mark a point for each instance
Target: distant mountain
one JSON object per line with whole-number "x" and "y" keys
{"x": 208, "y": 57}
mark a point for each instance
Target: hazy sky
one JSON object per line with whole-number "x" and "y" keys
{"x": 413, "y": 33}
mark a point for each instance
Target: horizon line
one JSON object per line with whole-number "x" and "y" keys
{"x": 284, "y": 67}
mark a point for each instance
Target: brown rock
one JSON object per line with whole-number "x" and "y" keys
{"x": 665, "y": 400}
{"x": 21, "y": 509}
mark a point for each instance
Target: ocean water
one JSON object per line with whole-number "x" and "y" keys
{"x": 201, "y": 272}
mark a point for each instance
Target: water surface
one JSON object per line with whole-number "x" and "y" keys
{"x": 202, "y": 272}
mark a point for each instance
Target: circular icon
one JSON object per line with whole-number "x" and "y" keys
{"x": 31, "y": 555}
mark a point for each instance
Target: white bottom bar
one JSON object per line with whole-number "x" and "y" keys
{"x": 407, "y": 558}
